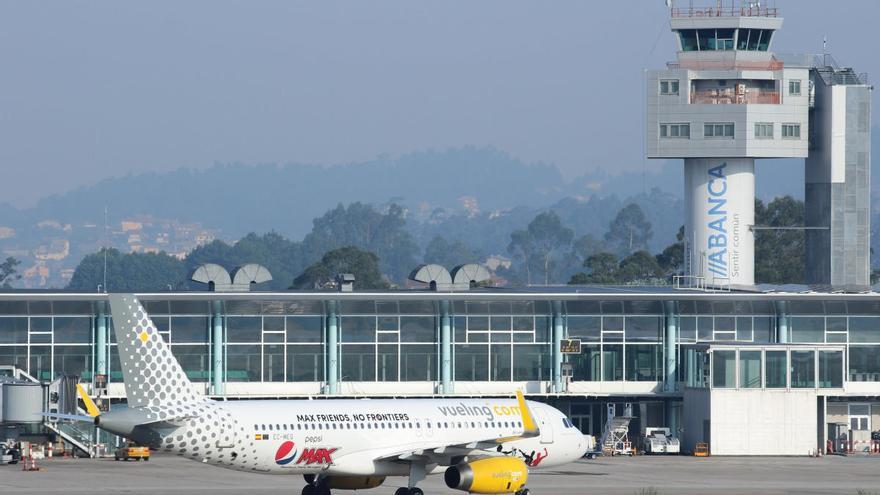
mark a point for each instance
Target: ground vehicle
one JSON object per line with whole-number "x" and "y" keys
{"x": 8, "y": 454}
{"x": 132, "y": 452}
{"x": 661, "y": 441}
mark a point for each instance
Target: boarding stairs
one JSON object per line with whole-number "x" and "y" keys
{"x": 615, "y": 438}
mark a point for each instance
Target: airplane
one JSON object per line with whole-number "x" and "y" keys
{"x": 479, "y": 445}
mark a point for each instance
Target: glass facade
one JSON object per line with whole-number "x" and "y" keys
{"x": 784, "y": 367}
{"x": 388, "y": 340}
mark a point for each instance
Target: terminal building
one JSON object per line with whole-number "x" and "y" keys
{"x": 746, "y": 369}
{"x": 746, "y": 372}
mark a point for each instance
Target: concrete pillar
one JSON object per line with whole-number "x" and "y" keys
{"x": 719, "y": 209}
{"x": 673, "y": 410}
{"x": 217, "y": 382}
{"x": 781, "y": 322}
{"x": 558, "y": 335}
{"x": 445, "y": 348}
{"x": 101, "y": 362}
{"x": 670, "y": 355}
{"x": 332, "y": 349}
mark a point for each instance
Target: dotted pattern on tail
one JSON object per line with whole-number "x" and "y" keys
{"x": 153, "y": 377}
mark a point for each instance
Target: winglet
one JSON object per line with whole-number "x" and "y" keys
{"x": 530, "y": 426}
{"x": 91, "y": 408}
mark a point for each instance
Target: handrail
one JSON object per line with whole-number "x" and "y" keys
{"x": 772, "y": 65}
{"x": 720, "y": 98}
{"x": 678, "y": 12}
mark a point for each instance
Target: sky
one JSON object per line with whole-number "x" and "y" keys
{"x": 90, "y": 90}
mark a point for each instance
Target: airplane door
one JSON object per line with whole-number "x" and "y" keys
{"x": 545, "y": 425}
{"x": 226, "y": 437}
{"x": 429, "y": 431}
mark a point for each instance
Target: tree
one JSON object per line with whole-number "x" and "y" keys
{"x": 543, "y": 243}
{"x": 639, "y": 267}
{"x": 629, "y": 232}
{"x": 522, "y": 250}
{"x": 449, "y": 254}
{"x": 131, "y": 272}
{"x": 779, "y": 254}
{"x": 349, "y": 259}
{"x": 360, "y": 225}
{"x": 601, "y": 269}
{"x": 671, "y": 260}
{"x": 586, "y": 246}
{"x": 8, "y": 273}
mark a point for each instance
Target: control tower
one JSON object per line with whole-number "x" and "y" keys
{"x": 728, "y": 100}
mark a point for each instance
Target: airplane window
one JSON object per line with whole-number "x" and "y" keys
{"x": 270, "y": 427}
{"x": 256, "y": 427}
{"x": 446, "y": 425}
{"x": 368, "y": 426}
{"x": 347, "y": 426}
{"x": 419, "y": 426}
{"x": 505, "y": 424}
{"x": 278, "y": 427}
{"x": 472, "y": 424}
{"x": 410, "y": 425}
{"x": 264, "y": 427}
{"x": 383, "y": 425}
{"x": 397, "y": 426}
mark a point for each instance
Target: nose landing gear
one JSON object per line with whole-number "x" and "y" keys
{"x": 409, "y": 491}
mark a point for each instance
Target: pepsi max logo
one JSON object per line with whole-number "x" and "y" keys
{"x": 286, "y": 453}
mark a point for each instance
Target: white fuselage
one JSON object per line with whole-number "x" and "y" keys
{"x": 368, "y": 437}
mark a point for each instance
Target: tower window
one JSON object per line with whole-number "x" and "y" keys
{"x": 669, "y": 87}
{"x": 794, "y": 87}
{"x": 679, "y": 131}
{"x": 688, "y": 40}
{"x": 718, "y": 130}
{"x": 763, "y": 130}
{"x": 791, "y": 131}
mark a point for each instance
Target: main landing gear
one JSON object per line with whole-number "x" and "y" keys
{"x": 409, "y": 491}
{"x": 316, "y": 490}
{"x": 315, "y": 486}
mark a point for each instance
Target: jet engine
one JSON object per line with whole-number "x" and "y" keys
{"x": 488, "y": 475}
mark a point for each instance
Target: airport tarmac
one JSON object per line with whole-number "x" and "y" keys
{"x": 632, "y": 476}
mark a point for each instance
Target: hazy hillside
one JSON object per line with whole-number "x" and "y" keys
{"x": 239, "y": 198}
{"x": 475, "y": 195}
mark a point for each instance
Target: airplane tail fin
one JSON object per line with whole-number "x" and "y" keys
{"x": 152, "y": 375}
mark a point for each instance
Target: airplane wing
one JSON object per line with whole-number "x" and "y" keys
{"x": 437, "y": 450}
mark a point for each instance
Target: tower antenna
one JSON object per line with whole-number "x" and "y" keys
{"x": 106, "y": 227}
